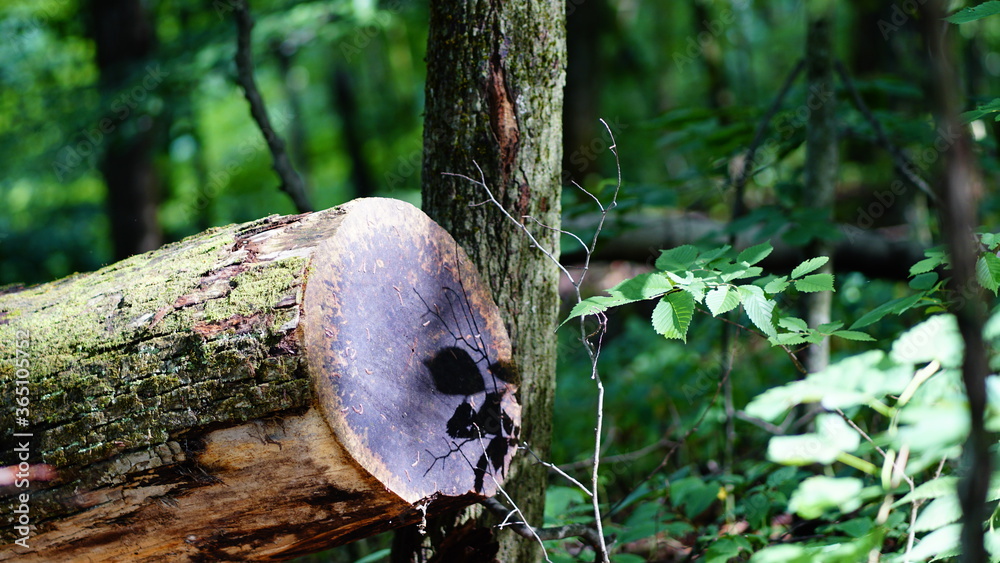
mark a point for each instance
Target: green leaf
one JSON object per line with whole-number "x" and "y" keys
{"x": 937, "y": 338}
{"x": 594, "y": 305}
{"x": 641, "y": 287}
{"x": 931, "y": 489}
{"x": 939, "y": 513}
{"x": 809, "y": 265}
{"x": 896, "y": 306}
{"x": 693, "y": 494}
{"x": 776, "y": 285}
{"x": 814, "y": 283}
{"x": 755, "y": 254}
{"x": 966, "y": 15}
{"x": 714, "y": 254}
{"x": 939, "y": 542}
{"x": 988, "y": 271}
{"x": 722, "y": 299}
{"x": 787, "y": 339}
{"x": 925, "y": 265}
{"x": 853, "y": 335}
{"x": 925, "y": 281}
{"x": 679, "y": 258}
{"x": 672, "y": 315}
{"x": 819, "y": 493}
{"x": 793, "y": 323}
{"x": 758, "y": 308}
{"x": 827, "y": 328}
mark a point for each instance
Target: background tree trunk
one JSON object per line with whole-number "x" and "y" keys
{"x": 822, "y": 162}
{"x": 495, "y": 74}
{"x": 255, "y": 392}
{"x": 124, "y": 38}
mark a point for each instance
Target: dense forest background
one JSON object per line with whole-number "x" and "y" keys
{"x": 683, "y": 86}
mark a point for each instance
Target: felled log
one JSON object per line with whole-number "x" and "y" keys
{"x": 255, "y": 392}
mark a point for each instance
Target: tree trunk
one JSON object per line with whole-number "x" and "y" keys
{"x": 821, "y": 162}
{"x": 124, "y": 37}
{"x": 495, "y": 73}
{"x": 256, "y": 392}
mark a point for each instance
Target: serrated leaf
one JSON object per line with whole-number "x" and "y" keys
{"x": 758, "y": 308}
{"x": 815, "y": 282}
{"x": 714, "y": 254}
{"x": 937, "y": 542}
{"x": 827, "y": 328}
{"x": 755, "y": 254}
{"x": 643, "y": 286}
{"x": 776, "y": 285}
{"x": 697, "y": 290}
{"x": 896, "y": 306}
{"x": 988, "y": 271}
{"x": 793, "y": 323}
{"x": 787, "y": 339}
{"x": 679, "y": 258}
{"x": 738, "y": 271}
{"x": 925, "y": 265}
{"x": 939, "y": 513}
{"x": 971, "y": 14}
{"x": 672, "y": 315}
{"x": 722, "y": 299}
{"x": 931, "y": 489}
{"x": 593, "y": 305}
{"x": 853, "y": 335}
{"x": 809, "y": 265}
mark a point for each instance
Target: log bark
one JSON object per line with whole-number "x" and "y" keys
{"x": 255, "y": 392}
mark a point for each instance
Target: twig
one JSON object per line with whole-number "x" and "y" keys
{"x": 559, "y": 471}
{"x": 903, "y": 165}
{"x": 593, "y": 350}
{"x": 291, "y": 182}
{"x": 630, "y": 456}
{"x": 739, "y": 183}
{"x": 518, "y": 525}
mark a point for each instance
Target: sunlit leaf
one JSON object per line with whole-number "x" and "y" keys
{"x": 722, "y": 299}
{"x": 776, "y": 285}
{"x": 759, "y": 308}
{"x": 818, "y": 494}
{"x": 809, "y": 265}
{"x": 815, "y": 282}
{"x": 988, "y": 271}
{"x": 672, "y": 315}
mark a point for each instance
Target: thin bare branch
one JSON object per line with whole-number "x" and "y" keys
{"x": 514, "y": 522}
{"x": 903, "y": 165}
{"x": 291, "y": 182}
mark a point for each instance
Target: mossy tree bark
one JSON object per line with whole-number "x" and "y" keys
{"x": 256, "y": 392}
{"x": 495, "y": 77}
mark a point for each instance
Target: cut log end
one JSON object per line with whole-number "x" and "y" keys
{"x": 411, "y": 363}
